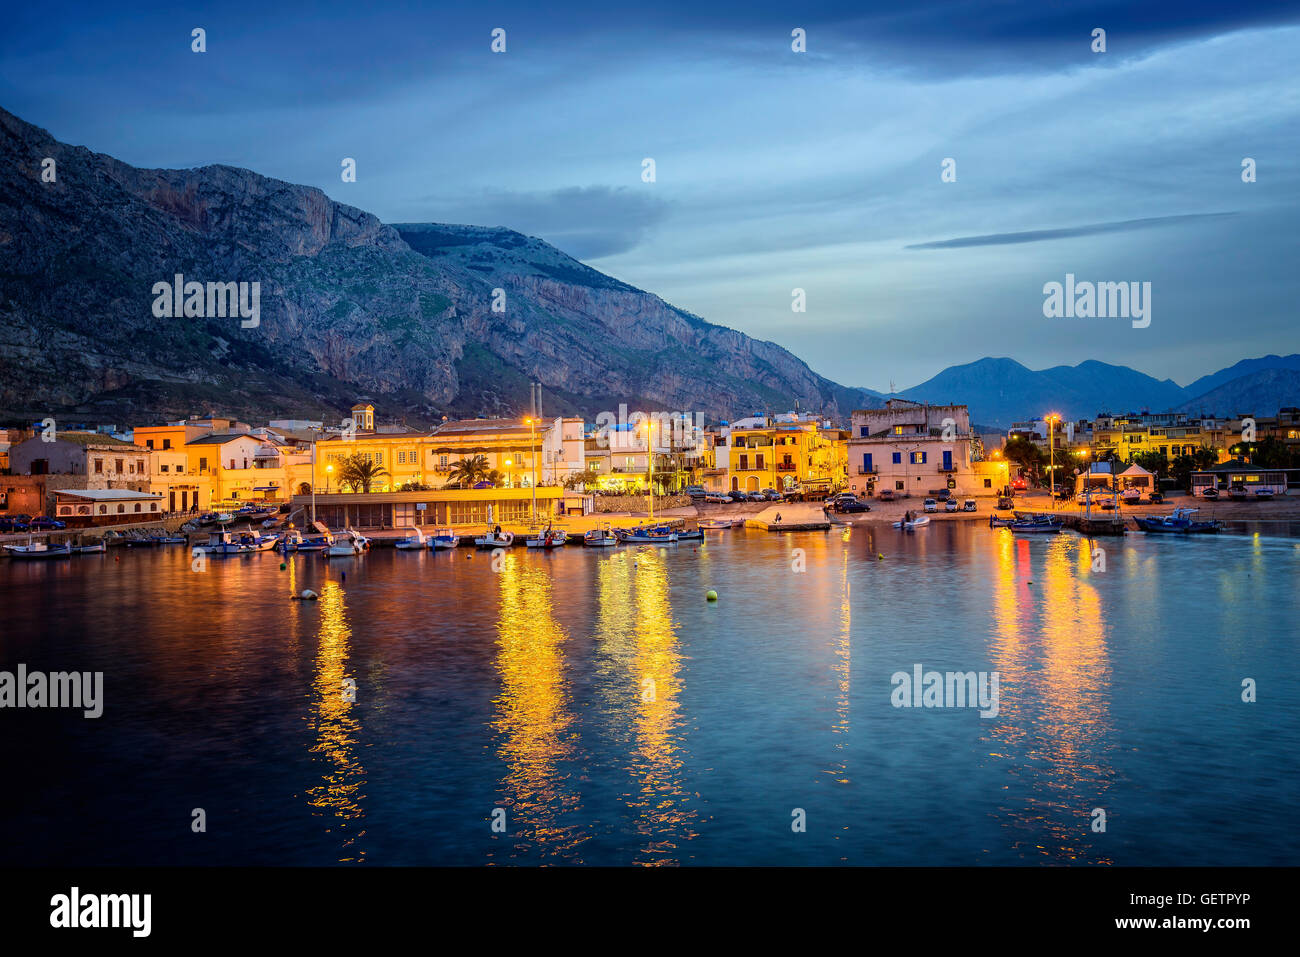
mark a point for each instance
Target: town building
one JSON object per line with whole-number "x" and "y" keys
{"x": 916, "y": 449}
{"x": 83, "y": 508}
{"x": 772, "y": 453}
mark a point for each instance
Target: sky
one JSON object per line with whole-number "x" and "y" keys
{"x": 775, "y": 170}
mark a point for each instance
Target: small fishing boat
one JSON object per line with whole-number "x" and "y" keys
{"x": 1178, "y": 522}
{"x": 1238, "y": 492}
{"x": 441, "y": 538}
{"x": 346, "y": 544}
{"x": 1263, "y": 493}
{"x": 1210, "y": 493}
{"x": 600, "y": 537}
{"x": 36, "y": 551}
{"x": 996, "y": 521}
{"x": 694, "y": 535}
{"x": 1131, "y": 496}
{"x": 172, "y": 539}
{"x": 1040, "y": 524}
{"x": 547, "y": 538}
{"x": 647, "y": 535}
{"x": 294, "y": 541}
{"x": 224, "y": 542}
{"x": 912, "y": 524}
{"x": 713, "y": 524}
{"x": 494, "y": 537}
{"x": 94, "y": 549}
{"x": 413, "y": 542}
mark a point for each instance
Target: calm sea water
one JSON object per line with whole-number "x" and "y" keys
{"x": 618, "y": 718}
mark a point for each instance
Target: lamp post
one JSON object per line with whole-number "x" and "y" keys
{"x": 329, "y": 469}
{"x": 532, "y": 455}
{"x": 313, "y": 479}
{"x": 649, "y": 465}
{"x": 1051, "y": 451}
{"x": 509, "y": 480}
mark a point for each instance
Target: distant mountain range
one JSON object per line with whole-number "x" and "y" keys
{"x": 1002, "y": 391}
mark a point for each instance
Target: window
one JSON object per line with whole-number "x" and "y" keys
{"x": 119, "y": 466}
{"x": 148, "y": 443}
{"x": 121, "y": 509}
{"x": 918, "y": 458}
{"x": 898, "y": 430}
{"x": 162, "y": 468}
{"x": 442, "y": 461}
{"x": 137, "y": 506}
{"x": 103, "y": 510}
{"x": 401, "y": 458}
{"x": 863, "y": 431}
{"x": 988, "y": 483}
{"x": 203, "y": 465}
{"x": 898, "y": 458}
{"x": 99, "y": 466}
{"x": 167, "y": 444}
{"x": 379, "y": 458}
{"x": 898, "y": 486}
{"x": 153, "y": 506}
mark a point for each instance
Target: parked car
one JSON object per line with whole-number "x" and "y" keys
{"x": 1018, "y": 484}
{"x": 43, "y": 523}
{"x": 931, "y": 505}
{"x": 968, "y": 505}
{"x": 1157, "y": 498}
{"x": 771, "y": 495}
{"x": 1006, "y": 502}
{"x": 15, "y": 523}
{"x": 848, "y": 503}
{"x": 886, "y": 495}
{"x": 950, "y": 505}
{"x": 718, "y": 498}
{"x": 694, "y": 491}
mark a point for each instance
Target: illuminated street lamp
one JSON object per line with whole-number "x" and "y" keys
{"x": 649, "y": 465}
{"x": 532, "y": 454}
{"x": 329, "y": 469}
{"x": 1052, "y": 419}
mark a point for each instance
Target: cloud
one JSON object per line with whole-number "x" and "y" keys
{"x": 587, "y": 222}
{"x": 1068, "y": 232}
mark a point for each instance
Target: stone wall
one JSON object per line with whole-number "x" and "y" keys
{"x": 639, "y": 503}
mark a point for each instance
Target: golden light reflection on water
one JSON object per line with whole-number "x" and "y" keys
{"x": 640, "y": 665}
{"x": 335, "y": 728}
{"x": 532, "y": 716}
{"x": 1065, "y": 677}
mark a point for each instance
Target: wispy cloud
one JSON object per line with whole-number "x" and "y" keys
{"x": 1069, "y": 232}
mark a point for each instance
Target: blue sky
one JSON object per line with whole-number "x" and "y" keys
{"x": 775, "y": 170}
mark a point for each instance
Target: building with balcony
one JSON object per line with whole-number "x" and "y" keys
{"x": 916, "y": 449}
{"x": 768, "y": 453}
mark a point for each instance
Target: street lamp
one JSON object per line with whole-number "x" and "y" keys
{"x": 532, "y": 454}
{"x": 329, "y": 469}
{"x": 1052, "y": 419}
{"x": 509, "y": 479}
{"x": 649, "y": 465}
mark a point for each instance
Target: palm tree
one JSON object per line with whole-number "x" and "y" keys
{"x": 358, "y": 472}
{"x": 496, "y": 477}
{"x": 468, "y": 471}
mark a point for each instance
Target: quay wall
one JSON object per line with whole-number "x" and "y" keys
{"x": 639, "y": 503}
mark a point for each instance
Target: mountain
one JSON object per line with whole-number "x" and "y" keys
{"x": 1002, "y": 391}
{"x": 1245, "y": 367}
{"x": 350, "y": 308}
{"x": 1261, "y": 392}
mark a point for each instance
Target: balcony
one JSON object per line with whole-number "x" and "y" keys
{"x": 786, "y": 466}
{"x": 946, "y": 469}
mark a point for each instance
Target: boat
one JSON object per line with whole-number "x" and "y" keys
{"x": 1263, "y": 493}
{"x": 712, "y": 524}
{"x": 294, "y": 541}
{"x": 647, "y": 535}
{"x": 412, "y": 542}
{"x": 35, "y": 551}
{"x": 89, "y": 549}
{"x": 908, "y": 525}
{"x": 547, "y": 538}
{"x": 600, "y": 537}
{"x": 996, "y": 521}
{"x": 1210, "y": 493}
{"x": 224, "y": 542}
{"x": 346, "y": 544}
{"x": 1037, "y": 525}
{"x": 1238, "y": 492}
{"x": 1131, "y": 496}
{"x": 443, "y": 538}
{"x": 694, "y": 535}
{"x": 494, "y": 537}
{"x": 172, "y": 540}
{"x": 1179, "y": 522}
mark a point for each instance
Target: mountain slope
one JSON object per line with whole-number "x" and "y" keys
{"x": 350, "y": 308}
{"x": 1245, "y": 367}
{"x": 1001, "y": 391}
{"x": 1261, "y": 392}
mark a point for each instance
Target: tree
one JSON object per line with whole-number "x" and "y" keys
{"x": 466, "y": 472}
{"x": 1153, "y": 461}
{"x": 414, "y": 487}
{"x": 495, "y": 476}
{"x": 584, "y": 478}
{"x": 359, "y": 472}
{"x": 1182, "y": 467}
{"x": 1025, "y": 455}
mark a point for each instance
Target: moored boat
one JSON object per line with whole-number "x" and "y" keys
{"x": 601, "y": 537}
{"x": 93, "y": 549}
{"x": 547, "y": 538}
{"x": 346, "y": 544}
{"x": 647, "y": 535}
{"x": 412, "y": 542}
{"x": 224, "y": 542}
{"x": 494, "y": 537}
{"x": 712, "y": 524}
{"x": 1263, "y": 493}
{"x": 909, "y": 524}
{"x": 441, "y": 538}
{"x": 694, "y": 535}
{"x": 37, "y": 551}
{"x": 1179, "y": 522}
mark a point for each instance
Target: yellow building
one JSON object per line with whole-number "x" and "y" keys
{"x": 781, "y": 455}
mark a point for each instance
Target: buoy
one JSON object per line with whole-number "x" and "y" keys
{"x": 283, "y": 566}
{"x": 711, "y": 595}
{"x": 307, "y": 595}
{"x": 880, "y": 556}
{"x": 345, "y": 576}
